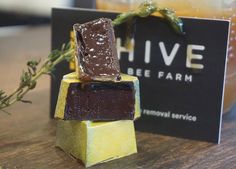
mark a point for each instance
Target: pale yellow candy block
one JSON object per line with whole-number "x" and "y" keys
{"x": 96, "y": 142}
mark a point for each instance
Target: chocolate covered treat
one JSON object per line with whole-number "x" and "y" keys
{"x": 96, "y": 54}
{"x": 97, "y": 105}
{"x": 98, "y": 101}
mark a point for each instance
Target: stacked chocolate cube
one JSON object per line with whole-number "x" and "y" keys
{"x": 97, "y": 105}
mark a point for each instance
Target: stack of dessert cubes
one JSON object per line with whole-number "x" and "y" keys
{"x": 97, "y": 104}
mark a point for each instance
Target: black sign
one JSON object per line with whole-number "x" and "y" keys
{"x": 181, "y": 77}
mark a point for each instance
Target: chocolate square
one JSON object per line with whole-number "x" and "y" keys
{"x": 100, "y": 101}
{"x": 96, "y": 54}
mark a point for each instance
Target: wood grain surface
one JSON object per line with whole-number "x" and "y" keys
{"x": 27, "y": 137}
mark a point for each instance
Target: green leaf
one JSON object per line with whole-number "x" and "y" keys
{"x": 146, "y": 8}
{"x": 175, "y": 22}
{"x": 26, "y": 101}
{"x": 32, "y": 85}
{"x": 25, "y": 79}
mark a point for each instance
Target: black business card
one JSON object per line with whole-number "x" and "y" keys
{"x": 181, "y": 77}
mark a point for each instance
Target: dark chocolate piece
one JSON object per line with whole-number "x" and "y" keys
{"x": 96, "y": 51}
{"x": 100, "y": 101}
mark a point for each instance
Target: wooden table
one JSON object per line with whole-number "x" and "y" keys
{"x": 27, "y": 137}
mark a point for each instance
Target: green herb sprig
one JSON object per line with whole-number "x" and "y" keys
{"x": 29, "y": 77}
{"x": 147, "y": 8}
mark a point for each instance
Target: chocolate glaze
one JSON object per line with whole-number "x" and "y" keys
{"x": 96, "y": 51}
{"x": 100, "y": 101}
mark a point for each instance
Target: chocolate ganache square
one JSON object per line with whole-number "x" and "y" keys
{"x": 98, "y": 100}
{"x": 96, "y": 54}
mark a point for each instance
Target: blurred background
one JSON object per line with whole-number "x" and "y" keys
{"x": 23, "y": 12}
{"x": 18, "y": 15}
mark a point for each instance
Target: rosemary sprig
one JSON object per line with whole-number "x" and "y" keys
{"x": 147, "y": 8}
{"x": 28, "y": 79}
{"x": 144, "y": 9}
